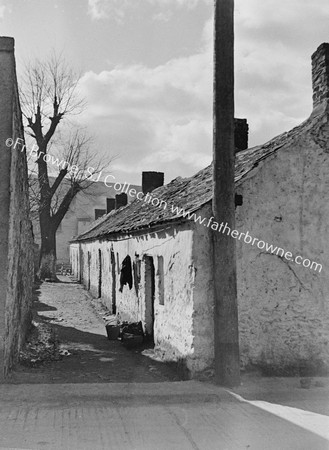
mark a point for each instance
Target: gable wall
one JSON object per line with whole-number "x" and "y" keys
{"x": 283, "y": 306}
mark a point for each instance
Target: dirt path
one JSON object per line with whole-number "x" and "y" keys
{"x": 77, "y": 320}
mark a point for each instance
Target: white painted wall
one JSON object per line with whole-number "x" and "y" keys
{"x": 203, "y": 295}
{"x": 75, "y": 260}
{"x": 284, "y": 307}
{"x": 175, "y": 320}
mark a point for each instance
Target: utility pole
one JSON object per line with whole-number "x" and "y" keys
{"x": 226, "y": 335}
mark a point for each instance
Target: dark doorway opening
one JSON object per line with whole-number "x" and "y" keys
{"x": 149, "y": 296}
{"x": 82, "y": 262}
{"x": 114, "y": 282}
{"x": 89, "y": 262}
{"x": 99, "y": 273}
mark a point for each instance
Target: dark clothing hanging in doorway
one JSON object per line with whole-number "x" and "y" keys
{"x": 126, "y": 273}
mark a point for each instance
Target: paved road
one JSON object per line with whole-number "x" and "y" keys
{"x": 287, "y": 391}
{"x": 162, "y": 416}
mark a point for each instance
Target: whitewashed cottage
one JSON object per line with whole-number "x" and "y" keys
{"x": 282, "y": 228}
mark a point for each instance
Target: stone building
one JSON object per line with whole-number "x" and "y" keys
{"x": 152, "y": 260}
{"x": 16, "y": 241}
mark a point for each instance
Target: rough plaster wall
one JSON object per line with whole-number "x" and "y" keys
{"x": 68, "y": 229}
{"x": 148, "y": 291}
{"x": 174, "y": 320}
{"x": 20, "y": 249}
{"x": 6, "y": 113}
{"x": 203, "y": 297}
{"x": 75, "y": 260}
{"x": 82, "y": 207}
{"x": 173, "y": 333}
{"x": 283, "y": 307}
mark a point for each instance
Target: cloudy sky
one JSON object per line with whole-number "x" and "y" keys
{"x": 146, "y": 70}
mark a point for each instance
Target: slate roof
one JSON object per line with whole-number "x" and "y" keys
{"x": 190, "y": 193}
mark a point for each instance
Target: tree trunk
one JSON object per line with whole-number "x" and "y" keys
{"x": 48, "y": 228}
{"x": 47, "y": 262}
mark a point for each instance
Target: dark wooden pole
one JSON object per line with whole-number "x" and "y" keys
{"x": 227, "y": 361}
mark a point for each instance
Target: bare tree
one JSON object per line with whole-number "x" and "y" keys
{"x": 49, "y": 96}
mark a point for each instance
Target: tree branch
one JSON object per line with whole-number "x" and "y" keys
{"x": 65, "y": 204}
{"x": 60, "y": 177}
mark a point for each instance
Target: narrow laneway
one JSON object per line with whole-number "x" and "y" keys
{"x": 88, "y": 356}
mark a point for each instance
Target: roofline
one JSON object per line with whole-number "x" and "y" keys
{"x": 277, "y": 143}
{"x": 156, "y": 228}
{"x": 146, "y": 227}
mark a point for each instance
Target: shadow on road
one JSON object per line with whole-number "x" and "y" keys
{"x": 86, "y": 354}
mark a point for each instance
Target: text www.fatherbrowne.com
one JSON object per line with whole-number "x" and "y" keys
{"x": 220, "y": 227}
{"x": 215, "y": 226}
{"x": 247, "y": 238}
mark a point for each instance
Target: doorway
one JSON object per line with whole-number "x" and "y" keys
{"x": 149, "y": 296}
{"x": 114, "y": 280}
{"x": 99, "y": 273}
{"x": 89, "y": 263}
{"x": 82, "y": 266}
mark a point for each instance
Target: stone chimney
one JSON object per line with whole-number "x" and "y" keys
{"x": 151, "y": 181}
{"x": 320, "y": 75}
{"x": 121, "y": 200}
{"x": 110, "y": 204}
{"x": 241, "y": 132}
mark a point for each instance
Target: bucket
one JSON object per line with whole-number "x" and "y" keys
{"x": 113, "y": 331}
{"x": 131, "y": 340}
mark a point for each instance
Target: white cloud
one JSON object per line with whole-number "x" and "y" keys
{"x": 274, "y": 43}
{"x": 163, "y": 16}
{"x": 182, "y": 144}
{"x": 95, "y": 9}
{"x": 117, "y": 9}
{"x": 190, "y": 4}
{"x": 157, "y": 117}
{"x": 259, "y": 14}
{"x": 160, "y": 118}
{"x": 103, "y": 9}
{"x": 3, "y": 9}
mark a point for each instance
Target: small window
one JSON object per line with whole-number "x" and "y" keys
{"x": 160, "y": 276}
{"x": 99, "y": 213}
